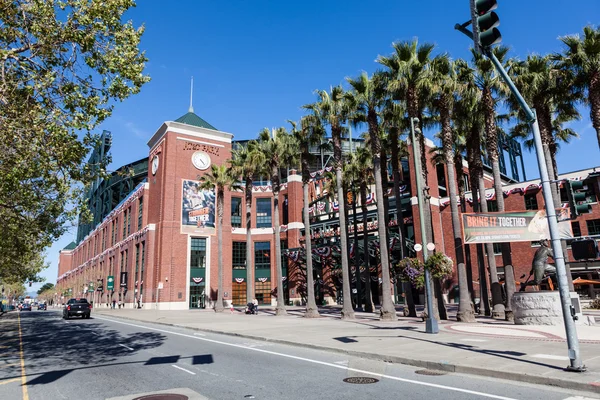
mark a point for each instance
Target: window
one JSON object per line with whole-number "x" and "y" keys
{"x": 236, "y": 212}
{"x": 263, "y": 213}
{"x": 576, "y": 228}
{"x": 262, "y": 255}
{"x": 262, "y": 292}
{"x": 441, "y": 178}
{"x": 137, "y": 261}
{"x": 112, "y": 234}
{"x": 238, "y": 292}
{"x": 497, "y": 248}
{"x": 128, "y": 221}
{"x": 593, "y": 226}
{"x": 238, "y": 256}
{"x": 142, "y": 268}
{"x": 492, "y": 205}
{"x": 285, "y": 210}
{"x": 140, "y": 212}
{"x": 198, "y": 253}
{"x": 124, "y": 224}
{"x": 531, "y": 201}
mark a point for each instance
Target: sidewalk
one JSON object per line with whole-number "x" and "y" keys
{"x": 533, "y": 354}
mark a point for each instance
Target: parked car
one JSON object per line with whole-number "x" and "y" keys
{"x": 78, "y": 307}
{"x": 26, "y": 307}
{"x": 42, "y": 306}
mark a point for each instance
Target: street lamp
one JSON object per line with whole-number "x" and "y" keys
{"x": 431, "y": 325}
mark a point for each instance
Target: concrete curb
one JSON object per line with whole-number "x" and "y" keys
{"x": 440, "y": 366}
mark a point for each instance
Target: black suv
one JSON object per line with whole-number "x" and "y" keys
{"x": 79, "y": 307}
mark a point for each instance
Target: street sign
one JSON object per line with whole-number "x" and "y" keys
{"x": 123, "y": 279}
{"x": 91, "y": 288}
{"x": 110, "y": 283}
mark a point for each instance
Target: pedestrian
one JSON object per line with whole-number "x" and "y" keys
{"x": 232, "y": 307}
{"x": 255, "y": 302}
{"x": 139, "y": 300}
{"x": 114, "y": 304}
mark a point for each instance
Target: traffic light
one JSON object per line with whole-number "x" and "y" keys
{"x": 487, "y": 21}
{"x": 584, "y": 249}
{"x": 576, "y": 194}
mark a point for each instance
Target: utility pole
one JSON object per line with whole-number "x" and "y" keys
{"x": 487, "y": 22}
{"x": 431, "y": 324}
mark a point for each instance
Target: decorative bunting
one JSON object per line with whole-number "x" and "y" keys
{"x": 239, "y": 280}
{"x": 263, "y": 280}
{"x": 197, "y": 280}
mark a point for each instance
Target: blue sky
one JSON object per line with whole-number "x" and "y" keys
{"x": 255, "y": 63}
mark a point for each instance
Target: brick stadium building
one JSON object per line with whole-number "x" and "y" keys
{"x": 154, "y": 232}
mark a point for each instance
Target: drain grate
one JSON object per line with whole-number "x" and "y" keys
{"x": 361, "y": 380}
{"x": 162, "y": 396}
{"x": 431, "y": 372}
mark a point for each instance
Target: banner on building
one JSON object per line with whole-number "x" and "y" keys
{"x": 123, "y": 281}
{"x": 198, "y": 205}
{"x": 525, "y": 226}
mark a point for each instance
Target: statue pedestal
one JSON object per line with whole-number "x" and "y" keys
{"x": 540, "y": 308}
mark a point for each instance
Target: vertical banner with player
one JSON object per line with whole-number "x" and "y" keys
{"x": 198, "y": 206}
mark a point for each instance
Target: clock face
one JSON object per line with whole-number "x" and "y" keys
{"x": 201, "y": 160}
{"x": 154, "y": 165}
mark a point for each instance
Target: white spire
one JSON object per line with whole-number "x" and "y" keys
{"x": 191, "y": 109}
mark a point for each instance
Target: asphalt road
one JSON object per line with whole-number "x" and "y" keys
{"x": 104, "y": 358}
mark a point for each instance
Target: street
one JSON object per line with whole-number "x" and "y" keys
{"x": 104, "y": 358}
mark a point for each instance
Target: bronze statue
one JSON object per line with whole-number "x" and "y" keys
{"x": 539, "y": 265}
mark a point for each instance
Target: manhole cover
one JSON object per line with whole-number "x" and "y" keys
{"x": 431, "y": 372}
{"x": 162, "y": 396}
{"x": 361, "y": 380}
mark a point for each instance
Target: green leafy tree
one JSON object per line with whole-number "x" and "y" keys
{"x": 46, "y": 286}
{"x": 220, "y": 179}
{"x": 64, "y": 64}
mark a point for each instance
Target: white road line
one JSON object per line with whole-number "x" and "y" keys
{"x": 549, "y": 357}
{"x": 183, "y": 369}
{"x": 453, "y": 389}
{"x": 127, "y": 347}
{"x": 578, "y": 398}
{"x": 199, "y": 334}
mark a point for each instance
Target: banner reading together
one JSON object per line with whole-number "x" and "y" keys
{"x": 524, "y": 226}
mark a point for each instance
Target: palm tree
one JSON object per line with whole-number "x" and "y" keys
{"x": 220, "y": 179}
{"x": 332, "y": 110}
{"x": 367, "y": 98}
{"x": 394, "y": 119}
{"x": 582, "y": 56}
{"x": 445, "y": 86}
{"x": 409, "y": 80}
{"x": 310, "y": 134}
{"x": 493, "y": 90}
{"x": 278, "y": 149}
{"x": 553, "y": 93}
{"x": 248, "y": 162}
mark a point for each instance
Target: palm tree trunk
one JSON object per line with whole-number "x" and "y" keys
{"x": 465, "y": 311}
{"x": 280, "y": 308}
{"x": 336, "y": 133}
{"x": 311, "y": 306}
{"x": 359, "y": 302}
{"x": 594, "y": 101}
{"x": 497, "y": 303}
{"x": 363, "y": 200}
{"x": 474, "y": 159}
{"x": 407, "y": 287}
{"x": 387, "y": 311}
{"x": 220, "y": 201}
{"x": 249, "y": 264}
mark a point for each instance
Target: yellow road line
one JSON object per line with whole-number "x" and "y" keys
{"x": 9, "y": 381}
{"x": 23, "y": 377}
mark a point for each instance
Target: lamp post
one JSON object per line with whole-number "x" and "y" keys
{"x": 431, "y": 325}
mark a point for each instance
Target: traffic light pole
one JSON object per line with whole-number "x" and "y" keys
{"x": 568, "y": 310}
